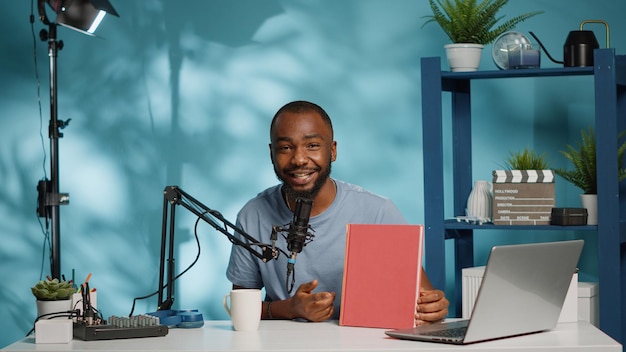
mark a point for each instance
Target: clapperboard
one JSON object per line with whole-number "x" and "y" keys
{"x": 523, "y": 197}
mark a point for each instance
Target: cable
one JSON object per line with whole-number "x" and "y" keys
{"x": 38, "y": 80}
{"x": 44, "y": 230}
{"x": 195, "y": 232}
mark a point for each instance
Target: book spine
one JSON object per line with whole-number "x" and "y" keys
{"x": 419, "y": 263}
{"x": 345, "y": 265}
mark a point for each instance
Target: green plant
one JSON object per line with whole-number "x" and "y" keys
{"x": 584, "y": 174}
{"x": 52, "y": 290}
{"x": 468, "y": 21}
{"x": 527, "y": 160}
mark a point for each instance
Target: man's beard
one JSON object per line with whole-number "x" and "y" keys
{"x": 294, "y": 194}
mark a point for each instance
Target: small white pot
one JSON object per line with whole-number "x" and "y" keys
{"x": 463, "y": 57}
{"x": 50, "y": 307}
{"x": 590, "y": 202}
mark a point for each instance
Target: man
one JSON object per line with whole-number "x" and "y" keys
{"x": 302, "y": 150}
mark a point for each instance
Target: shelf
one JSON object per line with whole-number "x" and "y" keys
{"x": 458, "y": 230}
{"x": 453, "y": 224}
{"x": 609, "y": 82}
{"x": 540, "y": 72}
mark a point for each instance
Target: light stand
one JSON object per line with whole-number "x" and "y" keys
{"x": 49, "y": 198}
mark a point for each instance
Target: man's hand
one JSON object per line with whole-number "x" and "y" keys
{"x": 312, "y": 306}
{"x": 431, "y": 306}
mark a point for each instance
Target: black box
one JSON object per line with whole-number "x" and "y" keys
{"x": 568, "y": 216}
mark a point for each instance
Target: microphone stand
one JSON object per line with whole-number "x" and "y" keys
{"x": 173, "y": 196}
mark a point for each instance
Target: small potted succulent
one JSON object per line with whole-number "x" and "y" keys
{"x": 53, "y": 296}
{"x": 470, "y": 25}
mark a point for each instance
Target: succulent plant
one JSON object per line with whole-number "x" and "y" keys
{"x": 52, "y": 290}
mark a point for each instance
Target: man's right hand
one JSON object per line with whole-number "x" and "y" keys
{"x": 311, "y": 306}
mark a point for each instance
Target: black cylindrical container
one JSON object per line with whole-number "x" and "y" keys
{"x": 578, "y": 49}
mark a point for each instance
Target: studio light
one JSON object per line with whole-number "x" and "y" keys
{"x": 83, "y": 16}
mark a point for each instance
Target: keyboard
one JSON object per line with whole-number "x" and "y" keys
{"x": 455, "y": 333}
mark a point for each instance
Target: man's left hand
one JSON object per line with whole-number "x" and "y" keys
{"x": 432, "y": 306}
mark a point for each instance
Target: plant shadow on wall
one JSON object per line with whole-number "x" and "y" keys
{"x": 156, "y": 109}
{"x": 21, "y": 232}
{"x": 146, "y": 143}
{"x": 109, "y": 118}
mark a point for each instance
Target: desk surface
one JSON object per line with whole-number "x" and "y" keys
{"x": 280, "y": 335}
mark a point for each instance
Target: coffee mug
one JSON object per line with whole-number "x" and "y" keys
{"x": 244, "y": 308}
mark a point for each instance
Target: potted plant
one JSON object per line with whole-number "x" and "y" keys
{"x": 471, "y": 25}
{"x": 526, "y": 159}
{"x": 524, "y": 192}
{"x": 584, "y": 173}
{"x": 53, "y": 296}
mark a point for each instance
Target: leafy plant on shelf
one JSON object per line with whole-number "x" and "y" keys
{"x": 526, "y": 159}
{"x": 583, "y": 158}
{"x": 52, "y": 290}
{"x": 470, "y": 21}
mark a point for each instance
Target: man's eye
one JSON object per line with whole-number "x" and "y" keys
{"x": 284, "y": 148}
{"x": 314, "y": 146}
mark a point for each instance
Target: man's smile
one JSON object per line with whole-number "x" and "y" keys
{"x": 301, "y": 177}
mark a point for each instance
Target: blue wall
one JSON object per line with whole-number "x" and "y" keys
{"x": 182, "y": 92}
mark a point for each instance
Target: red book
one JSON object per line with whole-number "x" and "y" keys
{"x": 381, "y": 275}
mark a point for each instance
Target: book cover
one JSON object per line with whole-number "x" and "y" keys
{"x": 381, "y": 275}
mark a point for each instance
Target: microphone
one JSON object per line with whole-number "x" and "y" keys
{"x": 297, "y": 235}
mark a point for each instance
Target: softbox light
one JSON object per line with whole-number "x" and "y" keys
{"x": 81, "y": 15}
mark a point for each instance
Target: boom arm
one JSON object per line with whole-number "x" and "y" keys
{"x": 173, "y": 196}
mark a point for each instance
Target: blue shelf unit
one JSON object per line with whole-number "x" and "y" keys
{"x": 609, "y": 79}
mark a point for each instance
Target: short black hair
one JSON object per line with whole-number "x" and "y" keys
{"x": 299, "y": 106}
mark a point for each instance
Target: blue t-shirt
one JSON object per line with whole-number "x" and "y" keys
{"x": 321, "y": 259}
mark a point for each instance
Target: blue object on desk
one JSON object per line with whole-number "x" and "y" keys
{"x": 189, "y": 318}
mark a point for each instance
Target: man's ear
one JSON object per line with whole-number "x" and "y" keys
{"x": 333, "y": 151}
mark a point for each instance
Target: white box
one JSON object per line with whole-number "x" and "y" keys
{"x": 472, "y": 278}
{"x": 54, "y": 331}
{"x": 588, "y": 309}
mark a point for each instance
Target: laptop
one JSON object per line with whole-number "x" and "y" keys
{"x": 522, "y": 291}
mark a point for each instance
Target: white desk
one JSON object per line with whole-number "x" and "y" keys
{"x": 328, "y": 336}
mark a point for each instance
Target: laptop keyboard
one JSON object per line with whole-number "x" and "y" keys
{"x": 450, "y": 333}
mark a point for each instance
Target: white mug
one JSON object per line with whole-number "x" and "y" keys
{"x": 244, "y": 308}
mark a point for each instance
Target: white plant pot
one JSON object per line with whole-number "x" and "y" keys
{"x": 590, "y": 202}
{"x": 463, "y": 57}
{"x": 51, "y": 307}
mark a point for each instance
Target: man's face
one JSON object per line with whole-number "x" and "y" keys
{"x": 302, "y": 151}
